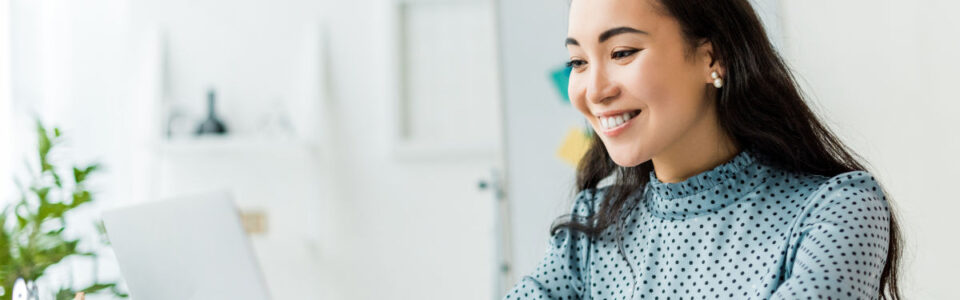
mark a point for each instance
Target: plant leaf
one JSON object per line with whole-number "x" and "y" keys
{"x": 80, "y": 197}
{"x": 79, "y": 175}
{"x": 35, "y": 240}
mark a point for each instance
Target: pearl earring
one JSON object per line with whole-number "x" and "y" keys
{"x": 717, "y": 81}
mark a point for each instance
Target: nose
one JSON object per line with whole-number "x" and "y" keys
{"x": 599, "y": 86}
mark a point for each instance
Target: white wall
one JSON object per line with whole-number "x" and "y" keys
{"x": 539, "y": 185}
{"x": 411, "y": 230}
{"x": 417, "y": 229}
{"x": 883, "y": 73}
{"x": 6, "y": 156}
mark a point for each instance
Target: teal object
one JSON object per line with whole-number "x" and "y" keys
{"x": 561, "y": 79}
{"x": 745, "y": 229}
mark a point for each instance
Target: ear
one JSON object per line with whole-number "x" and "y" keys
{"x": 709, "y": 62}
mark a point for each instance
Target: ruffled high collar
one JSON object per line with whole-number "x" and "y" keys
{"x": 707, "y": 191}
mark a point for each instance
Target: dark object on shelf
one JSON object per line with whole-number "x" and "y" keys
{"x": 212, "y": 125}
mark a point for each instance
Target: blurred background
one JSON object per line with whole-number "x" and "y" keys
{"x": 417, "y": 149}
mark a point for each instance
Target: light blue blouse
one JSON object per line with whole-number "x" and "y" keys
{"x": 742, "y": 230}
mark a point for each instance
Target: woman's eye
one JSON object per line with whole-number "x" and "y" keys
{"x": 576, "y": 63}
{"x": 623, "y": 53}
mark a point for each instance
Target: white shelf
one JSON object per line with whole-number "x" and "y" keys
{"x": 233, "y": 144}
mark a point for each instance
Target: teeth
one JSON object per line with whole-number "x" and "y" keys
{"x": 614, "y": 121}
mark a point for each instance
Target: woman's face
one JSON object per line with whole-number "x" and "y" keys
{"x": 635, "y": 80}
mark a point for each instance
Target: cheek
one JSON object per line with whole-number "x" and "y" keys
{"x": 651, "y": 80}
{"x": 664, "y": 85}
{"x": 578, "y": 95}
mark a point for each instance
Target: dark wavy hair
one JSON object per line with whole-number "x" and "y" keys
{"x": 760, "y": 107}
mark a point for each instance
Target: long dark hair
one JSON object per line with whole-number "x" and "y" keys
{"x": 760, "y": 107}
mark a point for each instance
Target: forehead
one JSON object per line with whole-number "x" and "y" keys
{"x": 588, "y": 18}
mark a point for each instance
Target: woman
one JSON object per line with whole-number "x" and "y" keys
{"x": 725, "y": 184}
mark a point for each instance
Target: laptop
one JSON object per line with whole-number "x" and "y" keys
{"x": 186, "y": 248}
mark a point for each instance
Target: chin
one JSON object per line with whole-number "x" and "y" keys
{"x": 627, "y": 158}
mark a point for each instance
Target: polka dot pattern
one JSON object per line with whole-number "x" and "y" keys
{"x": 742, "y": 230}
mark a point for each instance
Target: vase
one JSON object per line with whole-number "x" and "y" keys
{"x": 213, "y": 124}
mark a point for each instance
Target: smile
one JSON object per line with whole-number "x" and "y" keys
{"x": 612, "y": 122}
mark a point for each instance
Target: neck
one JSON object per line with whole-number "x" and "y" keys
{"x": 704, "y": 147}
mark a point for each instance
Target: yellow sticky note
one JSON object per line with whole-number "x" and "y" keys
{"x": 574, "y": 146}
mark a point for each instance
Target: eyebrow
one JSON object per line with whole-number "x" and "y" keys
{"x": 606, "y": 35}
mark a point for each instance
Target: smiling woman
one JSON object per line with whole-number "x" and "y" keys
{"x": 726, "y": 185}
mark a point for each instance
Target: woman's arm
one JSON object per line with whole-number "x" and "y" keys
{"x": 562, "y": 272}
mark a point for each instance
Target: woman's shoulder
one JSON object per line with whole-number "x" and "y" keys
{"x": 859, "y": 188}
{"x": 817, "y": 186}
{"x": 848, "y": 183}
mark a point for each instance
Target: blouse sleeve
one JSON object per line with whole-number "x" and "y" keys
{"x": 841, "y": 246}
{"x": 561, "y": 273}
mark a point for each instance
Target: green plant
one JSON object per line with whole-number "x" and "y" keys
{"x": 32, "y": 228}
